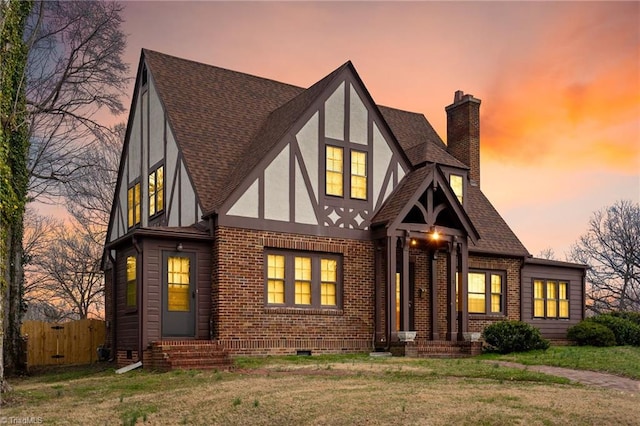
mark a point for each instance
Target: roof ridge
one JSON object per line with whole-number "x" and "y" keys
{"x": 155, "y": 52}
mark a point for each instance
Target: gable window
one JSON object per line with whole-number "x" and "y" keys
{"x": 358, "y": 175}
{"x": 133, "y": 205}
{"x": 131, "y": 282}
{"x": 335, "y": 163}
{"x": 304, "y": 280}
{"x": 455, "y": 181}
{"x": 550, "y": 299}
{"x": 156, "y": 191}
{"x": 486, "y": 292}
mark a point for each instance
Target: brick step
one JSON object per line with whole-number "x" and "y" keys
{"x": 199, "y": 364}
{"x": 170, "y": 355}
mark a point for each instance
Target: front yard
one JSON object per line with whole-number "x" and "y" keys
{"x": 332, "y": 390}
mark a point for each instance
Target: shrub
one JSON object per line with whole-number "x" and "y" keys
{"x": 626, "y": 332}
{"x": 634, "y": 317}
{"x": 513, "y": 336}
{"x": 590, "y": 333}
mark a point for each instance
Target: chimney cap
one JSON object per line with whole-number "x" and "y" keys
{"x": 460, "y": 97}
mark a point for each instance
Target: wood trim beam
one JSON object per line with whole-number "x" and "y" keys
{"x": 452, "y": 265}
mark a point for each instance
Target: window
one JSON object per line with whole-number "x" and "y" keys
{"x": 455, "y": 181}
{"x": 178, "y": 284}
{"x": 303, "y": 281}
{"x": 329, "y": 282}
{"x": 156, "y": 191}
{"x": 359, "y": 175}
{"x": 334, "y": 184}
{"x": 131, "y": 281}
{"x": 308, "y": 280}
{"x": 133, "y": 205}
{"x": 335, "y": 173}
{"x": 275, "y": 279}
{"x": 550, "y": 299}
{"x": 485, "y": 292}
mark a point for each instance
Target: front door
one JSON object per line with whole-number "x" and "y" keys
{"x": 178, "y": 295}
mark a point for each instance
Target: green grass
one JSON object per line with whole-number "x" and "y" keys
{"x": 619, "y": 360}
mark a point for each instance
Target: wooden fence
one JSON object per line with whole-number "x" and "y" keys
{"x": 74, "y": 342}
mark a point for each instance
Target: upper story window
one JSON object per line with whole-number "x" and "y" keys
{"x": 455, "y": 181}
{"x": 335, "y": 173}
{"x": 133, "y": 205}
{"x": 156, "y": 191}
{"x": 302, "y": 280}
{"x": 131, "y": 281}
{"x": 358, "y": 175}
{"x": 550, "y": 299}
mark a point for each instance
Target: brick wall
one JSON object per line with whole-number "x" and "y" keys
{"x": 463, "y": 132}
{"x": 245, "y": 325}
{"x": 512, "y": 269}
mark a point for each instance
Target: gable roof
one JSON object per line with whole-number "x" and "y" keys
{"x": 411, "y": 188}
{"x": 225, "y": 121}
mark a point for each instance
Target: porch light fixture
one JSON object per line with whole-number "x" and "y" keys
{"x": 435, "y": 235}
{"x": 179, "y": 247}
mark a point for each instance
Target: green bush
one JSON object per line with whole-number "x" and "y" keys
{"x": 634, "y": 317}
{"x": 590, "y": 333}
{"x": 626, "y": 332}
{"x": 513, "y": 336}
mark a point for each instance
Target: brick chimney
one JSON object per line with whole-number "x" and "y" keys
{"x": 463, "y": 132}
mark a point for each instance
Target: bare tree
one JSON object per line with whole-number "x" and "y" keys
{"x": 547, "y": 253}
{"x": 69, "y": 273}
{"x": 75, "y": 73}
{"x": 611, "y": 247}
{"x": 89, "y": 197}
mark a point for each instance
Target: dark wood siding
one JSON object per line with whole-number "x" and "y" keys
{"x": 153, "y": 282}
{"x": 553, "y": 328}
{"x": 126, "y": 318}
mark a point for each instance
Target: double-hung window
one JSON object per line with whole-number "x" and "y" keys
{"x": 336, "y": 169}
{"x": 456, "y": 183}
{"x": 156, "y": 191}
{"x": 133, "y": 205}
{"x": 550, "y": 299}
{"x": 131, "y": 282}
{"x": 302, "y": 279}
{"x": 486, "y": 292}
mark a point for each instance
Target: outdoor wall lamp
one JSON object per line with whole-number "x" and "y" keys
{"x": 179, "y": 247}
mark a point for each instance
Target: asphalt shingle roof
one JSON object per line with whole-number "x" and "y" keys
{"x": 225, "y": 122}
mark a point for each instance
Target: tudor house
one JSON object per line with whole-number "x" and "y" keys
{"x": 255, "y": 217}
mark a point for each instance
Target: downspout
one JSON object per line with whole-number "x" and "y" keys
{"x": 114, "y": 308}
{"x": 139, "y": 292}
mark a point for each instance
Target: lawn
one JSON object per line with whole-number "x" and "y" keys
{"x": 319, "y": 390}
{"x": 619, "y": 360}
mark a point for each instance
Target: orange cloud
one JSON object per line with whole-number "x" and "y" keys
{"x": 574, "y": 102}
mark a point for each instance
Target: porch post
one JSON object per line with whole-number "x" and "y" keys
{"x": 434, "y": 296}
{"x": 405, "y": 284}
{"x": 391, "y": 291}
{"x": 463, "y": 269}
{"x": 452, "y": 264}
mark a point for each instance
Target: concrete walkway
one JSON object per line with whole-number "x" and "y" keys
{"x": 591, "y": 378}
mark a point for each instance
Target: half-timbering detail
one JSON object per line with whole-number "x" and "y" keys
{"x": 255, "y": 217}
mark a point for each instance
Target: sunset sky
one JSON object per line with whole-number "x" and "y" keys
{"x": 559, "y": 83}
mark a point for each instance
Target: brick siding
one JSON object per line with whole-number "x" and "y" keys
{"x": 245, "y": 325}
